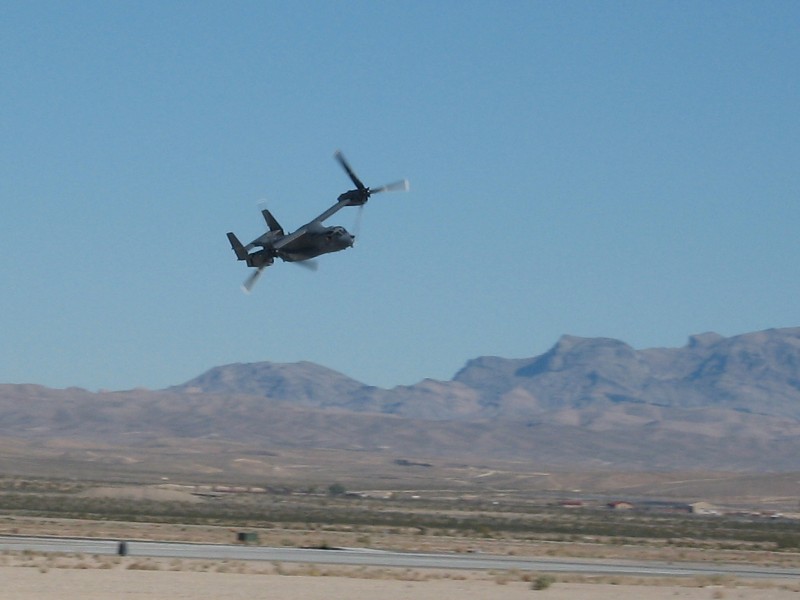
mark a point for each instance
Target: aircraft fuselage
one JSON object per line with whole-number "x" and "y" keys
{"x": 316, "y": 243}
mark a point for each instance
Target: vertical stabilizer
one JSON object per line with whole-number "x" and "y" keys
{"x": 237, "y": 246}
{"x": 272, "y": 222}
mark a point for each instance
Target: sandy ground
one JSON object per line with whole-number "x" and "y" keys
{"x": 26, "y": 583}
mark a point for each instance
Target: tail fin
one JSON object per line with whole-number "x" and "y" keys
{"x": 272, "y": 222}
{"x": 236, "y": 245}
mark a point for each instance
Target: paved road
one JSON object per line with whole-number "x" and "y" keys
{"x": 377, "y": 558}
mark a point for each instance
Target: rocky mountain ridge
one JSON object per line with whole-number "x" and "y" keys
{"x": 717, "y": 403}
{"x": 756, "y": 373}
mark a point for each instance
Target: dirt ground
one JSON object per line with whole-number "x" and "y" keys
{"x": 26, "y": 583}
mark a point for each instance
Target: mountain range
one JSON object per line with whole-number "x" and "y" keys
{"x": 724, "y": 403}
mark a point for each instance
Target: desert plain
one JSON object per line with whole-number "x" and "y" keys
{"x": 459, "y": 509}
{"x": 33, "y": 583}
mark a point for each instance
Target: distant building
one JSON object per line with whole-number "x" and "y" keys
{"x": 571, "y": 503}
{"x": 620, "y": 505}
{"x": 703, "y": 508}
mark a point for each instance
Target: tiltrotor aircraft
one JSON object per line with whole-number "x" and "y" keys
{"x": 312, "y": 239}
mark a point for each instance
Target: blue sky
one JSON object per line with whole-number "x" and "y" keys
{"x": 617, "y": 169}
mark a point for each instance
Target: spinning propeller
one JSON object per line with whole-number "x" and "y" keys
{"x": 360, "y": 195}
{"x": 247, "y": 286}
{"x": 251, "y": 281}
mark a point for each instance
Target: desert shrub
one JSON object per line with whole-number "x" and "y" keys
{"x": 542, "y": 582}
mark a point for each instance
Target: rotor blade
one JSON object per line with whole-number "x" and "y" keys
{"x": 397, "y": 186}
{"x": 359, "y": 218}
{"x": 346, "y": 166}
{"x": 251, "y": 281}
{"x": 309, "y": 264}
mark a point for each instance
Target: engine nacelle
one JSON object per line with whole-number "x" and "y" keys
{"x": 261, "y": 258}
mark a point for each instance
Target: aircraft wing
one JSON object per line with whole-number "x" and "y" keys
{"x": 288, "y": 239}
